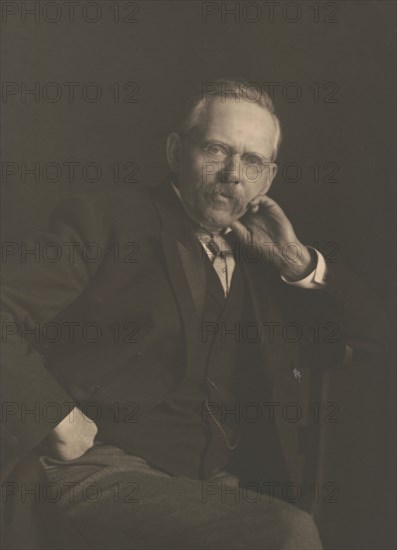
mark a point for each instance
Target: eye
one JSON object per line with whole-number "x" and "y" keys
{"x": 253, "y": 160}
{"x": 216, "y": 150}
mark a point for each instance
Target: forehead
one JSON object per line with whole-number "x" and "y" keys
{"x": 244, "y": 125}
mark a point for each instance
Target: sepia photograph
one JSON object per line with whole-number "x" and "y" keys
{"x": 198, "y": 275}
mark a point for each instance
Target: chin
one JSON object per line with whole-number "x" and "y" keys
{"x": 218, "y": 219}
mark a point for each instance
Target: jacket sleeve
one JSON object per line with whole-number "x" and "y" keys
{"x": 343, "y": 321}
{"x": 41, "y": 276}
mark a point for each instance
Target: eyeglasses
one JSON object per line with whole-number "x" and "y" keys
{"x": 220, "y": 152}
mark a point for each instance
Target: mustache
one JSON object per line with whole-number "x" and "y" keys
{"x": 222, "y": 189}
{"x": 225, "y": 190}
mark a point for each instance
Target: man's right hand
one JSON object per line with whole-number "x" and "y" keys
{"x": 72, "y": 437}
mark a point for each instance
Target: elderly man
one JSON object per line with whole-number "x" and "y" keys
{"x": 150, "y": 449}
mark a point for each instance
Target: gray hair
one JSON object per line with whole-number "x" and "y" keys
{"x": 239, "y": 90}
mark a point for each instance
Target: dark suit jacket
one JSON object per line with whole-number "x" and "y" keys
{"x": 145, "y": 272}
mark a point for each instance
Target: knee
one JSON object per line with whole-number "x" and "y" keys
{"x": 302, "y": 532}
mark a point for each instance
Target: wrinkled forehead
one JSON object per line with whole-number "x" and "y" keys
{"x": 244, "y": 125}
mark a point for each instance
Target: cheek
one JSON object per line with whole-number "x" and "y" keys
{"x": 192, "y": 169}
{"x": 254, "y": 189}
{"x": 203, "y": 170}
{"x": 257, "y": 182}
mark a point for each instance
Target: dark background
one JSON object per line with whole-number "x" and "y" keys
{"x": 169, "y": 51}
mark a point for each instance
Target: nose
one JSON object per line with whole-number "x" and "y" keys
{"x": 230, "y": 172}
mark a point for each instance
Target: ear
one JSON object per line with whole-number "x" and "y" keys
{"x": 273, "y": 172}
{"x": 173, "y": 151}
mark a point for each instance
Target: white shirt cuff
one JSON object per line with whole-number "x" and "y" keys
{"x": 316, "y": 279}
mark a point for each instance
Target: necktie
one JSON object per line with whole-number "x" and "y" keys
{"x": 221, "y": 255}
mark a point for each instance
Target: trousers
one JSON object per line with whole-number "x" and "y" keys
{"x": 118, "y": 501}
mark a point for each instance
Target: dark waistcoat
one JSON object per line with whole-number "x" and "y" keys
{"x": 191, "y": 433}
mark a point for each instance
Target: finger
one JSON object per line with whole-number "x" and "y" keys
{"x": 269, "y": 207}
{"x": 267, "y": 202}
{"x": 256, "y": 201}
{"x": 264, "y": 204}
{"x": 242, "y": 233}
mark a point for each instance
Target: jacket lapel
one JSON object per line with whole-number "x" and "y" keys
{"x": 187, "y": 276}
{"x": 184, "y": 260}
